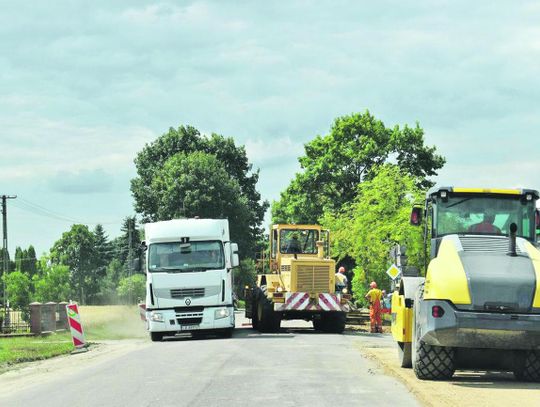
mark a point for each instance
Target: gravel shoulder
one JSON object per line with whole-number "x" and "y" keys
{"x": 467, "y": 388}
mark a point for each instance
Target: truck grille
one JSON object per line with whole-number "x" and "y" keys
{"x": 312, "y": 279}
{"x": 189, "y": 321}
{"x": 485, "y": 244}
{"x": 187, "y": 292}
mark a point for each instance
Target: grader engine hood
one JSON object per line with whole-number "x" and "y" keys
{"x": 476, "y": 274}
{"x": 312, "y": 276}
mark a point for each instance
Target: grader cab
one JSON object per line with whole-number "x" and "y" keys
{"x": 299, "y": 284}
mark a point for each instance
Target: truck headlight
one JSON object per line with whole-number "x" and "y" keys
{"x": 344, "y": 291}
{"x": 156, "y": 316}
{"x": 221, "y": 313}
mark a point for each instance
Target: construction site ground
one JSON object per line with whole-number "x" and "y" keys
{"x": 467, "y": 388}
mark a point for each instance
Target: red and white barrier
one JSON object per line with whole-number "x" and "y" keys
{"x": 142, "y": 311}
{"x": 329, "y": 302}
{"x": 74, "y": 319}
{"x": 302, "y": 302}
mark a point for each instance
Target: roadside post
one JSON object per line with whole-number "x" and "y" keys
{"x": 75, "y": 326}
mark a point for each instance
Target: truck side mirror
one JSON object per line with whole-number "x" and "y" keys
{"x": 235, "y": 260}
{"x": 416, "y": 216}
{"x": 537, "y": 219}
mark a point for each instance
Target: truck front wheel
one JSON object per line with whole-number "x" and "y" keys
{"x": 268, "y": 321}
{"x": 156, "y": 336}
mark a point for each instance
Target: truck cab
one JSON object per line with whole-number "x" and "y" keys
{"x": 188, "y": 263}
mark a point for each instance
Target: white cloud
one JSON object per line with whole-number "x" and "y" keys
{"x": 41, "y": 148}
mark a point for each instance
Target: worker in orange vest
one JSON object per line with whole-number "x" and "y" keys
{"x": 374, "y": 296}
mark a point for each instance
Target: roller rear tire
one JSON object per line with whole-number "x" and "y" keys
{"x": 529, "y": 369}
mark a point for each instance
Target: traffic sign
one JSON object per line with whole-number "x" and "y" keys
{"x": 75, "y": 326}
{"x": 393, "y": 271}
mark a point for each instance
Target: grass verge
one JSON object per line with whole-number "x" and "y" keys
{"x": 99, "y": 323}
{"x": 27, "y": 349}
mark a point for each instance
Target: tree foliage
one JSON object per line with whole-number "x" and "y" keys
{"x": 76, "y": 249}
{"x": 17, "y": 286}
{"x": 334, "y": 165}
{"x": 185, "y": 149}
{"x": 376, "y": 220}
{"x": 200, "y": 182}
{"x": 52, "y": 284}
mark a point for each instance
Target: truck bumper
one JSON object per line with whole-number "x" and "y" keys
{"x": 485, "y": 330}
{"x": 169, "y": 320}
{"x": 298, "y": 301}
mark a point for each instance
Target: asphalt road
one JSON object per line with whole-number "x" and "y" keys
{"x": 296, "y": 367}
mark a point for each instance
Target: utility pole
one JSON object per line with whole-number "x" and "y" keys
{"x": 5, "y": 252}
{"x": 130, "y": 261}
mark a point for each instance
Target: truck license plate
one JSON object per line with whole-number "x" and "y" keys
{"x": 188, "y": 327}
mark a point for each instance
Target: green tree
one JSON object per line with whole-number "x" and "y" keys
{"x": 52, "y": 284}
{"x": 376, "y": 220}
{"x": 19, "y": 289}
{"x": 200, "y": 183}
{"x": 30, "y": 262}
{"x": 183, "y": 142}
{"x": 104, "y": 248}
{"x": 334, "y": 165}
{"x": 76, "y": 249}
{"x": 121, "y": 244}
{"x": 133, "y": 288}
{"x": 19, "y": 255}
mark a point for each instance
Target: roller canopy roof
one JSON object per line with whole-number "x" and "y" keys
{"x": 488, "y": 191}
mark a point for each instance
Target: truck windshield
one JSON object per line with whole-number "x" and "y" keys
{"x": 300, "y": 241}
{"x": 185, "y": 257}
{"x": 484, "y": 215}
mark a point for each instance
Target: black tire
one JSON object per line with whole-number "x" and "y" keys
{"x": 156, "y": 336}
{"x": 430, "y": 362}
{"x": 318, "y": 324}
{"x": 254, "y": 310}
{"x": 529, "y": 369}
{"x": 269, "y": 321}
{"x": 334, "y": 322}
{"x": 404, "y": 354}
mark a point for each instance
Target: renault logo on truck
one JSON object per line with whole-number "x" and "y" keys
{"x": 188, "y": 301}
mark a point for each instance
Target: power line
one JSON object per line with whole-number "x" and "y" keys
{"x": 39, "y": 210}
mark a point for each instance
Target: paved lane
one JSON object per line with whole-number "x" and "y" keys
{"x": 296, "y": 367}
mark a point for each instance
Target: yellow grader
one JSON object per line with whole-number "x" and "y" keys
{"x": 300, "y": 283}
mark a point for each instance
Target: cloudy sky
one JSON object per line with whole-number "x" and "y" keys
{"x": 84, "y": 85}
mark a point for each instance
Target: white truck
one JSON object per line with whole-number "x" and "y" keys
{"x": 189, "y": 284}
